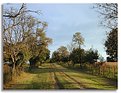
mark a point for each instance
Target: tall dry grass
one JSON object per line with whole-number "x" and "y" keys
{"x": 105, "y": 69}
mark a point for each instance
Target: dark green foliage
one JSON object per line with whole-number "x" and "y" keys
{"x": 91, "y": 56}
{"x": 55, "y": 57}
{"x": 33, "y": 61}
{"x": 111, "y": 45}
{"x": 77, "y": 56}
{"x": 61, "y": 54}
{"x": 36, "y": 61}
{"x": 20, "y": 59}
{"x": 81, "y": 56}
{"x": 65, "y": 59}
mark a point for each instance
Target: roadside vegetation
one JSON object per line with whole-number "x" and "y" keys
{"x": 26, "y": 56}
{"x": 53, "y": 76}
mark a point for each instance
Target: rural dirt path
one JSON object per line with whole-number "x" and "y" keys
{"x": 54, "y": 76}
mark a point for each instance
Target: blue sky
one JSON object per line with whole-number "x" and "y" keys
{"x": 66, "y": 19}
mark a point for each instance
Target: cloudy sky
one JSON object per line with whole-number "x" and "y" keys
{"x": 66, "y": 19}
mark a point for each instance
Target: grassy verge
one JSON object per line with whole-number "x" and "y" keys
{"x": 107, "y": 71}
{"x": 59, "y": 77}
{"x": 39, "y": 78}
{"x": 91, "y": 81}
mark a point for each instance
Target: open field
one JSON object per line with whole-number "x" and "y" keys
{"x": 54, "y": 76}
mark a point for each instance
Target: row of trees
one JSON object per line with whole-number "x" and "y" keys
{"x": 76, "y": 53}
{"x": 24, "y": 38}
{"x": 109, "y": 18}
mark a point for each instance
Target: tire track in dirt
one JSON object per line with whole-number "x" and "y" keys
{"x": 51, "y": 78}
{"x": 57, "y": 83}
{"x": 70, "y": 77}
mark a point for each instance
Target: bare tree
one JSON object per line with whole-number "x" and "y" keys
{"x": 108, "y": 13}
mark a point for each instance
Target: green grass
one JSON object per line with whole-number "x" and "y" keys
{"x": 66, "y": 82}
{"x": 108, "y": 71}
{"x": 91, "y": 81}
{"x": 46, "y": 77}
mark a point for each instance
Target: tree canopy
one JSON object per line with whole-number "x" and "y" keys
{"x": 24, "y": 37}
{"x": 78, "y": 39}
{"x": 111, "y": 45}
{"x": 61, "y": 54}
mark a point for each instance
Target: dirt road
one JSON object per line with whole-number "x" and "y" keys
{"x": 54, "y": 76}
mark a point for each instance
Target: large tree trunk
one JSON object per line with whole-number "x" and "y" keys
{"x": 13, "y": 68}
{"x": 13, "y": 71}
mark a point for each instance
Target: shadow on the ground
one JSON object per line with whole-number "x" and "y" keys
{"x": 108, "y": 82}
{"x": 48, "y": 86}
{"x": 45, "y": 70}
